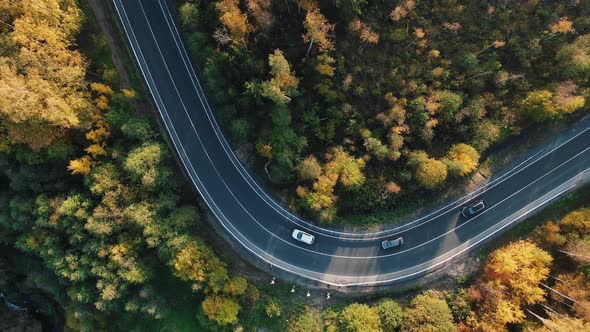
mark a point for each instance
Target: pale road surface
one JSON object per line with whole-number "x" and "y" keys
{"x": 257, "y": 223}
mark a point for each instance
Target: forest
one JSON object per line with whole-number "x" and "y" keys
{"x": 360, "y": 108}
{"x": 370, "y": 104}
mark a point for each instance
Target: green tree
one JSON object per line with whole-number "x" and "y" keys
{"x": 286, "y": 146}
{"x": 359, "y": 318}
{"x": 192, "y": 262}
{"x": 223, "y": 311}
{"x": 309, "y": 168}
{"x": 240, "y": 129}
{"x": 574, "y": 59}
{"x": 273, "y": 309}
{"x": 348, "y": 169}
{"x": 236, "y": 286}
{"x": 391, "y": 315}
{"x": 450, "y": 102}
{"x": 428, "y": 312}
{"x": 144, "y": 164}
{"x": 283, "y": 84}
{"x": 468, "y": 62}
{"x": 374, "y": 145}
{"x": 189, "y": 15}
{"x": 429, "y": 172}
{"x": 460, "y": 305}
{"x": 484, "y": 134}
{"x": 281, "y": 115}
{"x": 310, "y": 320}
{"x": 349, "y": 8}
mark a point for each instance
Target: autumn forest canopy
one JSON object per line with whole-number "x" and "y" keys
{"x": 347, "y": 109}
{"x": 353, "y": 107}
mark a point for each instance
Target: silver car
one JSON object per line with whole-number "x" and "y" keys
{"x": 300, "y": 235}
{"x": 392, "y": 243}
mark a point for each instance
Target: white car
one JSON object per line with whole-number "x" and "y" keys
{"x": 300, "y": 235}
{"x": 388, "y": 244}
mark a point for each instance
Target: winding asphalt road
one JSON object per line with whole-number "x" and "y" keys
{"x": 262, "y": 226}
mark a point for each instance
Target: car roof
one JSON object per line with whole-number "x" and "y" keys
{"x": 478, "y": 205}
{"x": 398, "y": 239}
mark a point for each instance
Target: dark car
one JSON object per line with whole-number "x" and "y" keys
{"x": 392, "y": 243}
{"x": 473, "y": 209}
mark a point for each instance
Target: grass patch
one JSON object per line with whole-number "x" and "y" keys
{"x": 182, "y": 313}
{"x": 384, "y": 217}
{"x": 291, "y": 305}
{"x": 181, "y": 318}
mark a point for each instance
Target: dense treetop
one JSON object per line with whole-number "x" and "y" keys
{"x": 417, "y": 90}
{"x": 351, "y": 105}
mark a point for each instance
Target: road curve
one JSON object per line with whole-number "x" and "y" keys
{"x": 262, "y": 226}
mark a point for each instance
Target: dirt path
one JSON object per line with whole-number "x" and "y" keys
{"x": 102, "y": 17}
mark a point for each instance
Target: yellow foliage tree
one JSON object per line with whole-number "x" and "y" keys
{"x": 520, "y": 267}
{"x": 129, "y": 93}
{"x": 317, "y": 29}
{"x": 95, "y": 150}
{"x": 429, "y": 172}
{"x": 512, "y": 278}
{"x": 309, "y": 168}
{"x": 550, "y": 234}
{"x": 102, "y": 102}
{"x": 566, "y": 99}
{"x": 464, "y": 157}
{"x": 401, "y": 11}
{"x": 322, "y": 195}
{"x": 347, "y": 169}
{"x": 325, "y": 65}
{"x": 100, "y": 133}
{"x": 264, "y": 150}
{"x": 189, "y": 263}
{"x": 576, "y": 224}
{"x": 223, "y": 311}
{"x": 281, "y": 70}
{"x": 80, "y": 166}
{"x": 42, "y": 87}
{"x": 284, "y": 83}
{"x": 341, "y": 167}
{"x": 366, "y": 34}
{"x": 563, "y": 323}
{"x": 234, "y": 20}
{"x": 563, "y": 26}
{"x": 101, "y": 88}
{"x": 576, "y": 287}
